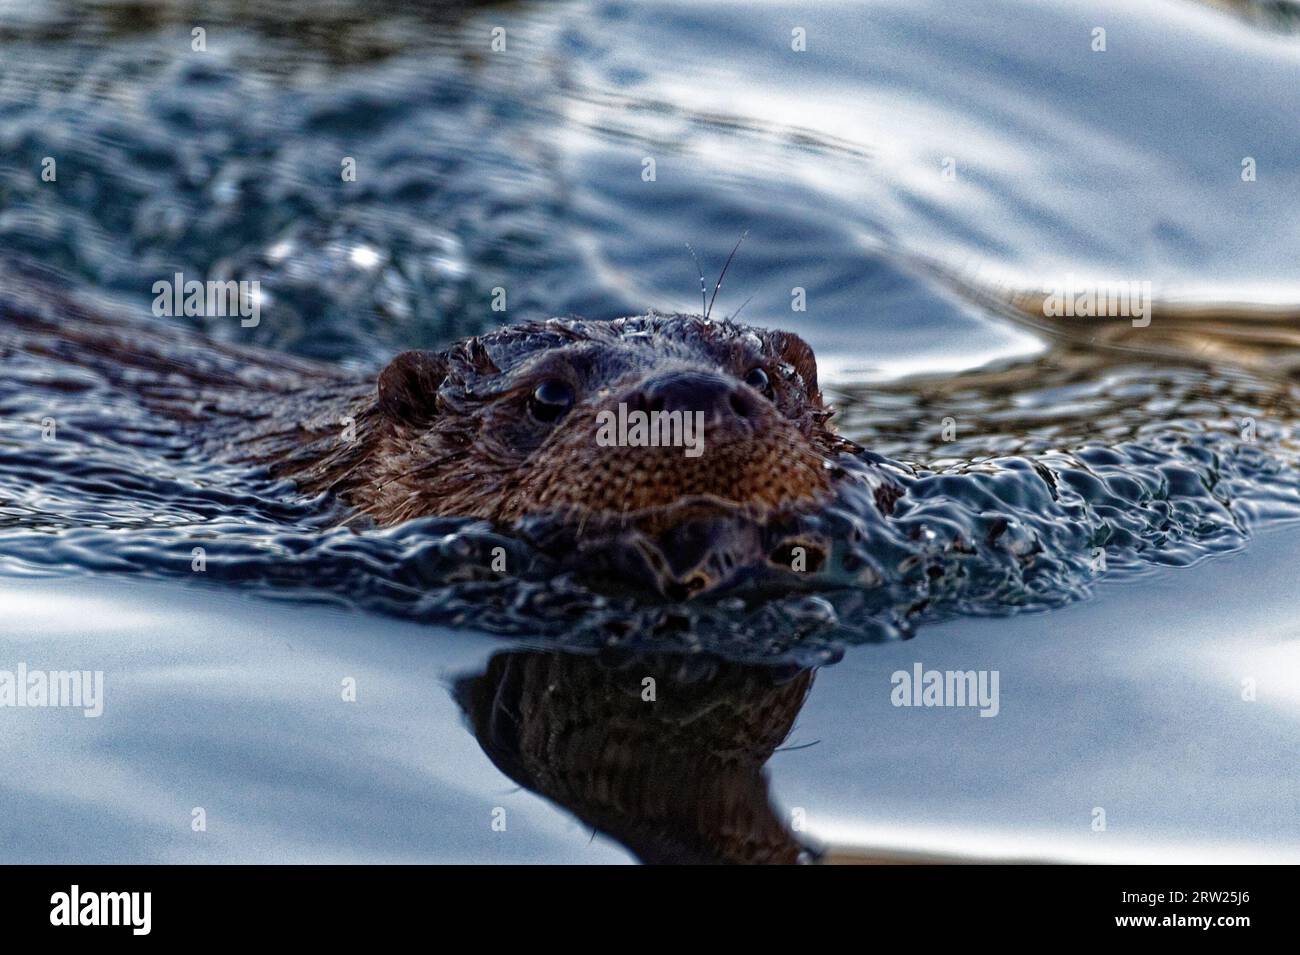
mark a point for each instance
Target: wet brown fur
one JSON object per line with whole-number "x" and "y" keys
{"x": 450, "y": 432}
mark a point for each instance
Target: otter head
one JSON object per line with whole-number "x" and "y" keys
{"x": 685, "y": 432}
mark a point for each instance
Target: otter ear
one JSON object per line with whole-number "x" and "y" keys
{"x": 408, "y": 387}
{"x": 792, "y": 349}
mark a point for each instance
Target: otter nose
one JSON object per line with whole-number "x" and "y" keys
{"x": 719, "y": 398}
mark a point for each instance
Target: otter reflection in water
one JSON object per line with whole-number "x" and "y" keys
{"x": 663, "y": 753}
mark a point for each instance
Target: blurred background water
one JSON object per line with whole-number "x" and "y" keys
{"x": 522, "y": 168}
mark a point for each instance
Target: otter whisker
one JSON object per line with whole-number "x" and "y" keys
{"x": 703, "y": 291}
{"x": 796, "y": 747}
{"x": 432, "y": 465}
{"x": 723, "y": 273}
{"x": 401, "y": 477}
{"x": 742, "y": 306}
{"x": 582, "y": 519}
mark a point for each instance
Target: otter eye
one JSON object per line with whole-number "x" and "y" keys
{"x": 551, "y": 400}
{"x": 758, "y": 380}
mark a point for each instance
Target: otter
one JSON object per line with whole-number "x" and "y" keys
{"x": 505, "y": 427}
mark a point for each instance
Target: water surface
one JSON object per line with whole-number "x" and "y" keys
{"x": 522, "y": 170}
